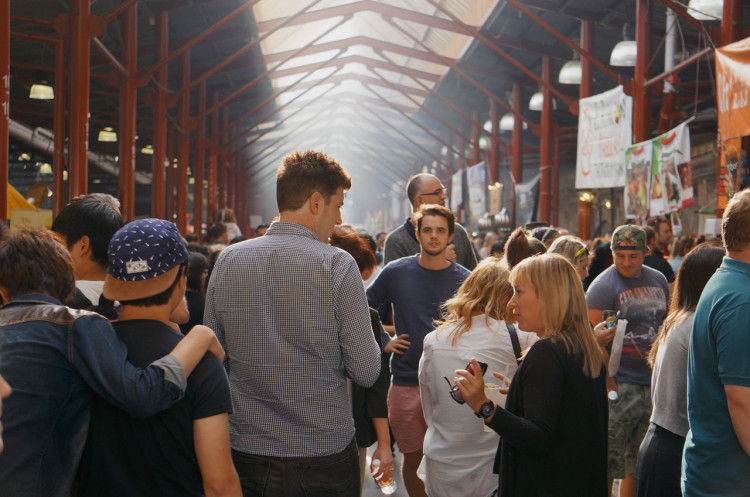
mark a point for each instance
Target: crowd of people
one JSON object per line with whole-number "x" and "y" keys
{"x": 136, "y": 361}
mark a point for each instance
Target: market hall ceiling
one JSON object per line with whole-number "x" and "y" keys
{"x": 384, "y": 86}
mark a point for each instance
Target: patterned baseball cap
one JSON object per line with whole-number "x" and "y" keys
{"x": 144, "y": 259}
{"x": 629, "y": 237}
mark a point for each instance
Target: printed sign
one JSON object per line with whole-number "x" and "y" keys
{"x": 732, "y": 82}
{"x": 604, "y": 132}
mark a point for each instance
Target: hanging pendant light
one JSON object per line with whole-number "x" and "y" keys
{"x": 40, "y": 91}
{"x": 570, "y": 73}
{"x": 508, "y": 121}
{"x": 107, "y": 134}
{"x": 624, "y": 53}
{"x": 537, "y": 101}
{"x": 706, "y": 10}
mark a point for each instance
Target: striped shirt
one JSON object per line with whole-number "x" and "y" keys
{"x": 292, "y": 316}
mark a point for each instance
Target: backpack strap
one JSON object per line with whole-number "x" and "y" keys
{"x": 514, "y": 340}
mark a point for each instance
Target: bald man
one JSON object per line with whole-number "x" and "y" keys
{"x": 402, "y": 242}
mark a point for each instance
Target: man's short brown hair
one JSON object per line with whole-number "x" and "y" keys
{"x": 434, "y": 210}
{"x": 303, "y": 173}
{"x": 734, "y": 224}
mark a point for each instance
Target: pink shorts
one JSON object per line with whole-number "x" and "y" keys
{"x": 406, "y": 418}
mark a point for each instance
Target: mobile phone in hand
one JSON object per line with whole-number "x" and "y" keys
{"x": 482, "y": 365}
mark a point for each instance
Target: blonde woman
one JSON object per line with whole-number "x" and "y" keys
{"x": 554, "y": 424}
{"x": 458, "y": 452}
{"x": 572, "y": 248}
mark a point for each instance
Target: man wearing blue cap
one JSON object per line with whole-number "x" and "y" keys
{"x": 183, "y": 450}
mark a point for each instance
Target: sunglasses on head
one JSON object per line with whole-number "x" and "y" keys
{"x": 454, "y": 391}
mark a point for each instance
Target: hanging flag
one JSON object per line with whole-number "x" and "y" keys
{"x": 637, "y": 179}
{"x": 476, "y": 177}
{"x": 457, "y": 191}
{"x": 658, "y": 176}
{"x": 672, "y": 163}
{"x": 604, "y": 132}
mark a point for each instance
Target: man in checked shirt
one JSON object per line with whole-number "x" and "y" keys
{"x": 291, "y": 312}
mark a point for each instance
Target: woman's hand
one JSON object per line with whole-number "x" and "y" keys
{"x": 504, "y": 379}
{"x": 471, "y": 385}
{"x": 603, "y": 334}
{"x": 384, "y": 454}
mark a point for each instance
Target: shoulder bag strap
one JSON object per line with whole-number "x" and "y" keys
{"x": 514, "y": 341}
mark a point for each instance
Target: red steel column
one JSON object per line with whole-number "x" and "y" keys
{"x": 545, "y": 158}
{"x": 200, "y": 160}
{"x": 223, "y": 154}
{"x": 475, "y": 150}
{"x": 731, "y": 22}
{"x": 516, "y": 151}
{"x": 171, "y": 147}
{"x": 584, "y": 220}
{"x": 231, "y": 171}
{"x": 641, "y": 103}
{"x": 127, "y": 113}
{"x": 556, "y": 182}
{"x": 493, "y": 155}
{"x": 58, "y": 159}
{"x": 160, "y": 118}
{"x": 4, "y": 105}
{"x": 78, "y": 127}
{"x": 183, "y": 154}
{"x": 213, "y": 160}
{"x": 587, "y": 72}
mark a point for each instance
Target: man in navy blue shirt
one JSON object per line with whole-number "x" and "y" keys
{"x": 416, "y": 287}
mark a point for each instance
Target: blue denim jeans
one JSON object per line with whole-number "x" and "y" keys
{"x": 328, "y": 476}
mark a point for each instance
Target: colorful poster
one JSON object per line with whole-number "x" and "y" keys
{"x": 457, "y": 191}
{"x": 672, "y": 176}
{"x": 604, "y": 132}
{"x": 730, "y": 171}
{"x": 476, "y": 177}
{"x": 637, "y": 179}
{"x": 732, "y": 83}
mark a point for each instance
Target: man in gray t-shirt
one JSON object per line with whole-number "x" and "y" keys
{"x": 641, "y": 295}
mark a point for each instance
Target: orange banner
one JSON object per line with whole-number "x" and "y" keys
{"x": 732, "y": 83}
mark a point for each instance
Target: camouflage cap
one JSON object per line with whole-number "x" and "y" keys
{"x": 629, "y": 237}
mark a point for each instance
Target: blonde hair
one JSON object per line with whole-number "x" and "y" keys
{"x": 487, "y": 291}
{"x": 568, "y": 246}
{"x": 562, "y": 305}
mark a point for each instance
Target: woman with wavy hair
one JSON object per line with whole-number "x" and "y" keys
{"x": 553, "y": 428}
{"x": 660, "y": 456}
{"x": 572, "y": 248}
{"x": 458, "y": 452}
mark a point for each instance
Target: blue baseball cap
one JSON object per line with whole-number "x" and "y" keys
{"x": 144, "y": 259}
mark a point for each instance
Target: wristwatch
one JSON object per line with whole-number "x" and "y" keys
{"x": 486, "y": 410}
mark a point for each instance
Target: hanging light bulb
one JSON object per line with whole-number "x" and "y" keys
{"x": 623, "y": 55}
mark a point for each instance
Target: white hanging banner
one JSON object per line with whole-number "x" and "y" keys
{"x": 476, "y": 177}
{"x": 604, "y": 132}
{"x": 457, "y": 190}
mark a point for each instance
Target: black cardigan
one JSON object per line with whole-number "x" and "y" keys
{"x": 372, "y": 402}
{"x": 554, "y": 427}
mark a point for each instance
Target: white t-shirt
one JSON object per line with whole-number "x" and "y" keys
{"x": 458, "y": 453}
{"x": 92, "y": 290}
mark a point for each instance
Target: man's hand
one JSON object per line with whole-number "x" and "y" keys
{"x": 398, "y": 345}
{"x": 450, "y": 252}
{"x": 603, "y": 334}
{"x": 213, "y": 343}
